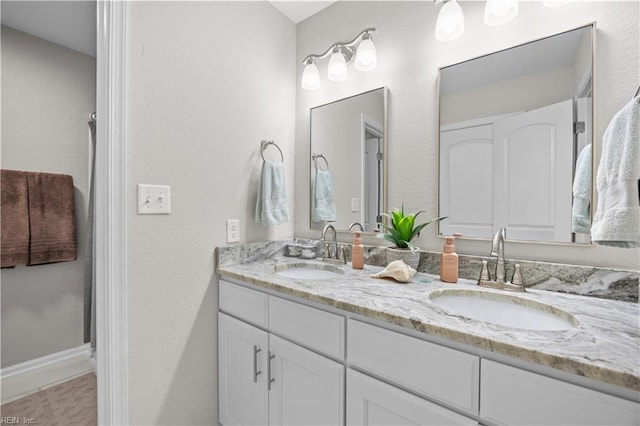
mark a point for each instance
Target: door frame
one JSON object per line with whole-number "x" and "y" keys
{"x": 110, "y": 257}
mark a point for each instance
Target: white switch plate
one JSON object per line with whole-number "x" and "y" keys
{"x": 355, "y": 204}
{"x": 154, "y": 199}
{"x": 233, "y": 230}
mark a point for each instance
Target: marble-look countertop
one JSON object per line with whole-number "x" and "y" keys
{"x": 604, "y": 346}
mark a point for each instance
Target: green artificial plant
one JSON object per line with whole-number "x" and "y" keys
{"x": 402, "y": 228}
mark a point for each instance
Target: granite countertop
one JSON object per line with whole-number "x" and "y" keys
{"x": 604, "y": 346}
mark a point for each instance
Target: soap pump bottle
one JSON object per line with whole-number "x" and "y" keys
{"x": 357, "y": 252}
{"x": 449, "y": 261}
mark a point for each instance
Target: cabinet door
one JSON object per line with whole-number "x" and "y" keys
{"x": 307, "y": 388}
{"x": 511, "y": 396}
{"x": 372, "y": 402}
{"x": 242, "y": 362}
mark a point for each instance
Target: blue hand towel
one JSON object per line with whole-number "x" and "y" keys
{"x": 580, "y": 211}
{"x": 271, "y": 206}
{"x": 324, "y": 207}
{"x": 617, "y": 219}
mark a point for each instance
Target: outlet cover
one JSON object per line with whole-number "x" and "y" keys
{"x": 154, "y": 199}
{"x": 233, "y": 230}
{"x": 355, "y": 204}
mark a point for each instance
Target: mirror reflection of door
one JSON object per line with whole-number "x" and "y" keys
{"x": 372, "y": 193}
{"x": 522, "y": 159}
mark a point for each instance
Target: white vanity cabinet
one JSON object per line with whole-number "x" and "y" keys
{"x": 511, "y": 396}
{"x": 267, "y": 380}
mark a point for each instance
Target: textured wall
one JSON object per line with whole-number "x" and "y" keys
{"x": 48, "y": 92}
{"x": 206, "y": 82}
{"x": 408, "y": 62}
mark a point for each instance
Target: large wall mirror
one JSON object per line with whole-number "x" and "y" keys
{"x": 348, "y": 144}
{"x": 515, "y": 147}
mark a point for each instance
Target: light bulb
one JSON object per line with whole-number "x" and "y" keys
{"x": 366, "y": 56}
{"x": 498, "y": 12}
{"x": 310, "y": 76}
{"x": 337, "y": 70}
{"x": 450, "y": 23}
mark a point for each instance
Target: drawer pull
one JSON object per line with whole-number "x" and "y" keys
{"x": 256, "y": 373}
{"x": 269, "y": 378}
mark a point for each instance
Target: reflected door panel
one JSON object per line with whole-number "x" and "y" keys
{"x": 466, "y": 181}
{"x": 532, "y": 178}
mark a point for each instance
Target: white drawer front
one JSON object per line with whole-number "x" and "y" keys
{"x": 440, "y": 373}
{"x": 517, "y": 397}
{"x": 244, "y": 303}
{"x": 307, "y": 326}
{"x": 372, "y": 402}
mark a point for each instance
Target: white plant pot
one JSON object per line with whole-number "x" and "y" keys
{"x": 408, "y": 256}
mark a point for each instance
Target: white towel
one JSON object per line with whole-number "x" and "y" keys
{"x": 324, "y": 206}
{"x": 580, "y": 211}
{"x": 617, "y": 219}
{"x": 271, "y": 206}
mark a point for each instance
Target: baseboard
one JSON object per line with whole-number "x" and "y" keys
{"x": 31, "y": 376}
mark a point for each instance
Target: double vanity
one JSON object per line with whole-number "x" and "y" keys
{"x": 306, "y": 342}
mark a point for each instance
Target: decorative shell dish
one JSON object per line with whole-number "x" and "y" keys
{"x": 397, "y": 270}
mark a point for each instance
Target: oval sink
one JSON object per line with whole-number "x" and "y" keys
{"x": 308, "y": 271}
{"x": 503, "y": 309}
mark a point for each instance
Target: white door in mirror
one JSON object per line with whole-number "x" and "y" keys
{"x": 154, "y": 199}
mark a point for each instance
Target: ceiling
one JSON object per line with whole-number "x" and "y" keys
{"x": 300, "y": 10}
{"x": 71, "y": 24}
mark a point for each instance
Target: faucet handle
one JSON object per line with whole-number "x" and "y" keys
{"x": 484, "y": 273}
{"x": 517, "y": 276}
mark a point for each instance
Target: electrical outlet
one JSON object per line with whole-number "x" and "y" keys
{"x": 355, "y": 204}
{"x": 233, "y": 230}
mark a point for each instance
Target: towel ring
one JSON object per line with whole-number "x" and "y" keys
{"x": 315, "y": 157}
{"x": 264, "y": 144}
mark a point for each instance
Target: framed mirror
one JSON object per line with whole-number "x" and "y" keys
{"x": 347, "y": 166}
{"x": 515, "y": 146}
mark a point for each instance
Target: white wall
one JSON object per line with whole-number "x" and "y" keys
{"x": 206, "y": 82}
{"x": 408, "y": 62}
{"x": 48, "y": 92}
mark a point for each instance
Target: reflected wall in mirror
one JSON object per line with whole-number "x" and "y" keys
{"x": 348, "y": 142}
{"x": 515, "y": 141}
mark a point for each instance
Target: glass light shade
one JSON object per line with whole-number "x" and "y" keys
{"x": 450, "y": 23}
{"x": 366, "y": 56}
{"x": 310, "y": 77}
{"x": 337, "y": 70}
{"x": 498, "y": 12}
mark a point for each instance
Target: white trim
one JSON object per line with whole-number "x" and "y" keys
{"x": 110, "y": 216}
{"x": 31, "y": 376}
{"x": 475, "y": 122}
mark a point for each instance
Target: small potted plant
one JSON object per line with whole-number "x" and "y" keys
{"x": 401, "y": 230}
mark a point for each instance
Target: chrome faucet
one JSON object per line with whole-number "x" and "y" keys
{"x": 331, "y": 255}
{"x": 354, "y": 224}
{"x": 497, "y": 250}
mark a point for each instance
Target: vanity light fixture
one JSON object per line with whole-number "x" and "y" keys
{"x": 450, "y": 23}
{"x": 498, "y": 12}
{"x": 361, "y": 50}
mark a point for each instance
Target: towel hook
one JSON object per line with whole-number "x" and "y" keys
{"x": 315, "y": 157}
{"x": 264, "y": 144}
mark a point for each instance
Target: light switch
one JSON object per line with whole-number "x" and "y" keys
{"x": 355, "y": 204}
{"x": 154, "y": 199}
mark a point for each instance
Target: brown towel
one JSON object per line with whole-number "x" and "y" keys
{"x": 52, "y": 218}
{"x": 14, "y": 209}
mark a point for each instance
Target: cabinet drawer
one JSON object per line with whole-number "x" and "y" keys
{"x": 370, "y": 401}
{"x": 517, "y": 397}
{"x": 307, "y": 326}
{"x": 440, "y": 373}
{"x": 244, "y": 303}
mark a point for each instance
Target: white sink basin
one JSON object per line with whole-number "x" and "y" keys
{"x": 308, "y": 271}
{"x": 503, "y": 309}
